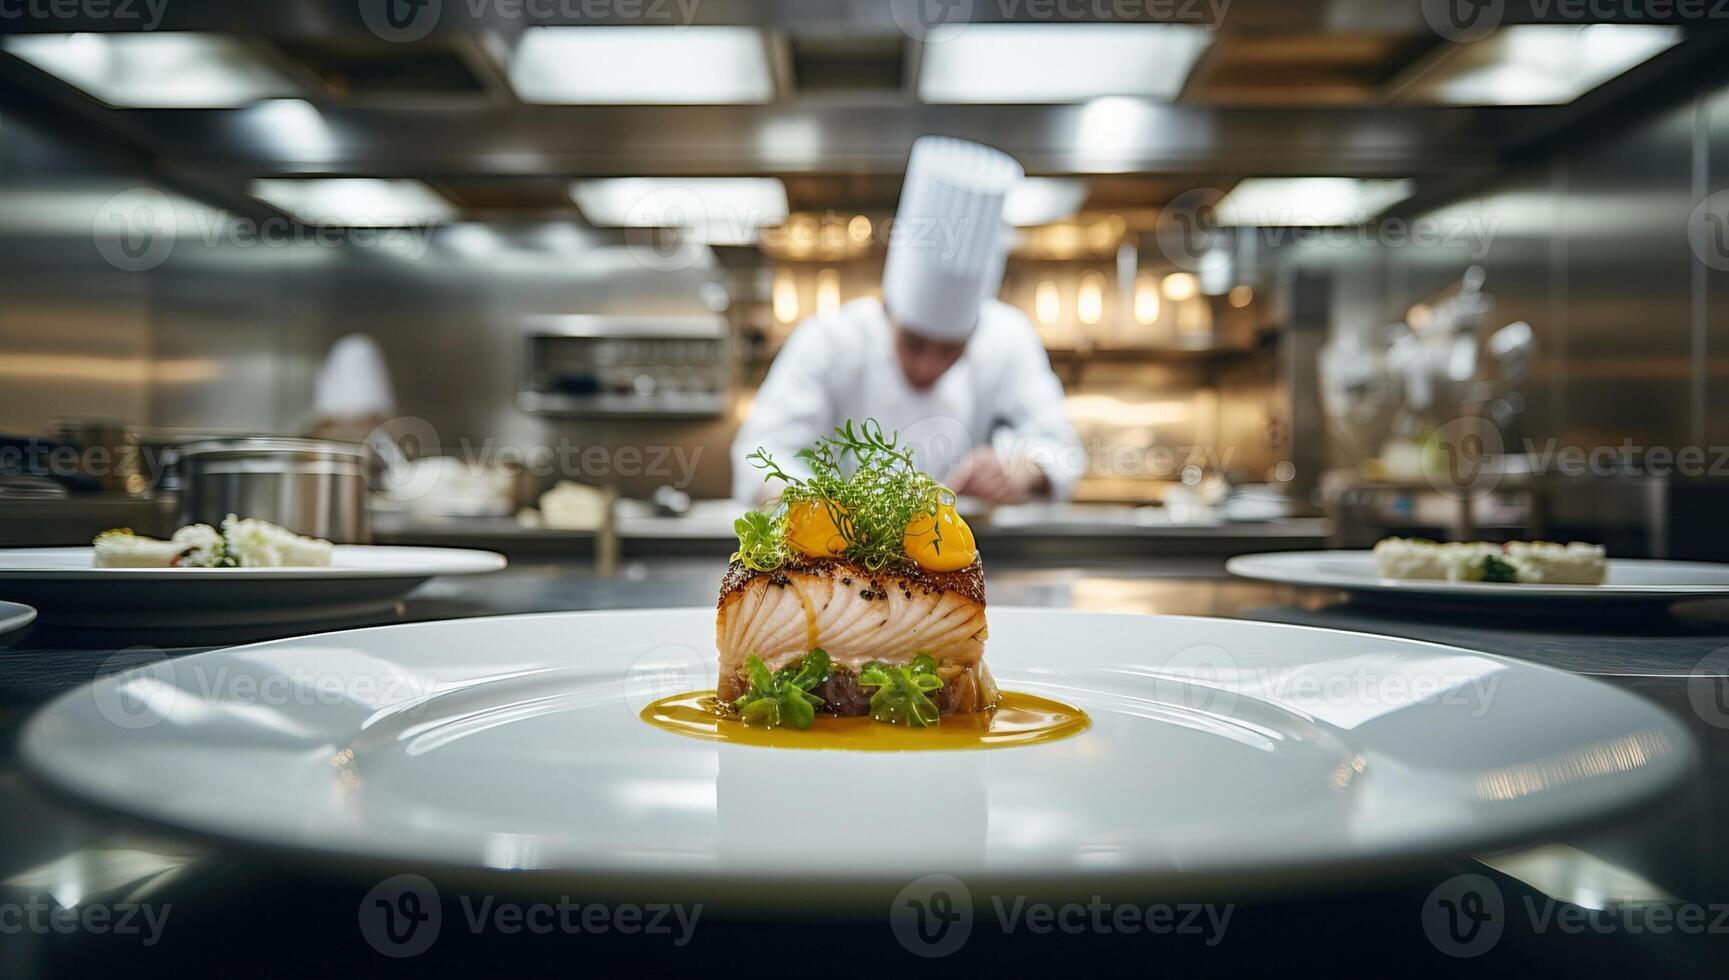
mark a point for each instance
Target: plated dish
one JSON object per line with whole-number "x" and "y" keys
{"x": 1626, "y": 582}
{"x": 69, "y": 589}
{"x": 1219, "y": 752}
{"x": 240, "y": 543}
{"x": 855, "y": 601}
{"x": 1524, "y": 562}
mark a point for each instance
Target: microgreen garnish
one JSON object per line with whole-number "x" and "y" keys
{"x": 761, "y": 541}
{"x": 871, "y": 507}
{"x": 1498, "y": 569}
{"x": 783, "y": 697}
{"x": 903, "y": 693}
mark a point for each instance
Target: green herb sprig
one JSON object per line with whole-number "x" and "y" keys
{"x": 868, "y": 483}
{"x": 903, "y": 693}
{"x": 1498, "y": 569}
{"x": 783, "y": 697}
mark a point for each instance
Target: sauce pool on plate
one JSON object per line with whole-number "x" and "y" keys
{"x": 1018, "y": 719}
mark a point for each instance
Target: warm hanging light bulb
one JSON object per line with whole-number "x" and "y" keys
{"x": 1180, "y": 286}
{"x": 785, "y": 296}
{"x": 1146, "y": 300}
{"x": 827, "y": 292}
{"x": 1241, "y": 296}
{"x": 1090, "y": 301}
{"x": 1047, "y": 303}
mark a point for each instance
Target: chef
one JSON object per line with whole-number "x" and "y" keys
{"x": 960, "y": 375}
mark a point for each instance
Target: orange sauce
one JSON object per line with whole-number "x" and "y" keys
{"x": 1018, "y": 719}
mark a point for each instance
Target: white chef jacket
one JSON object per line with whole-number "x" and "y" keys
{"x": 842, "y": 366}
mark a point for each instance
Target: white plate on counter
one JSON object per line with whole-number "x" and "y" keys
{"x": 69, "y": 589}
{"x": 14, "y": 616}
{"x": 1629, "y": 581}
{"x": 1220, "y": 752}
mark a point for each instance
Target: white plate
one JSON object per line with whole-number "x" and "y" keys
{"x": 15, "y": 616}
{"x": 1219, "y": 750}
{"x": 67, "y": 587}
{"x": 1629, "y": 581}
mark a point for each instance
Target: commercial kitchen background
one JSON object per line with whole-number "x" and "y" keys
{"x": 1578, "y": 212}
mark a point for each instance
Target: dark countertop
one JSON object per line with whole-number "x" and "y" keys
{"x": 276, "y": 917}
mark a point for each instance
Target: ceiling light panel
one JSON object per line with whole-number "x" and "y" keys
{"x": 356, "y": 202}
{"x": 172, "y": 70}
{"x": 720, "y": 210}
{"x": 1042, "y": 200}
{"x": 1541, "y": 64}
{"x": 1309, "y": 202}
{"x": 642, "y": 66}
{"x": 1060, "y": 62}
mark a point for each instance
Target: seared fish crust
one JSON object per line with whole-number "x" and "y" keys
{"x": 857, "y": 616}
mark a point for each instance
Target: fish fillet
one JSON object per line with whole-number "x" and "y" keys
{"x": 857, "y": 616}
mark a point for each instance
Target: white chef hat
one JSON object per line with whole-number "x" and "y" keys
{"x": 947, "y": 248}
{"x": 353, "y": 382}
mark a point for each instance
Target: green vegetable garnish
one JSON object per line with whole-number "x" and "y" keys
{"x": 783, "y": 697}
{"x": 761, "y": 541}
{"x": 1498, "y": 569}
{"x": 902, "y": 696}
{"x": 872, "y": 507}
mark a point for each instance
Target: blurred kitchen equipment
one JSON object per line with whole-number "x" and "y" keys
{"x": 306, "y": 485}
{"x": 446, "y": 486}
{"x": 107, "y": 452}
{"x": 1256, "y": 502}
{"x": 572, "y": 506}
{"x": 1387, "y": 391}
{"x": 644, "y": 365}
{"x": 159, "y": 453}
{"x": 669, "y": 501}
{"x": 40, "y": 469}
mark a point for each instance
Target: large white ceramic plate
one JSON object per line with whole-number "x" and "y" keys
{"x": 67, "y": 587}
{"x": 1629, "y": 581}
{"x": 15, "y": 616}
{"x": 1219, "y": 750}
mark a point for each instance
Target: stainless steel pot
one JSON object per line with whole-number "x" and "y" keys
{"x": 306, "y": 485}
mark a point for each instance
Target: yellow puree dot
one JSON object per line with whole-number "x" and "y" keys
{"x": 956, "y": 549}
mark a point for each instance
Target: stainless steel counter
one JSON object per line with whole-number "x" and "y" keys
{"x": 247, "y": 906}
{"x": 1048, "y": 533}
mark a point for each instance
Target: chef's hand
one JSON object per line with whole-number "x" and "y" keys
{"x": 988, "y": 477}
